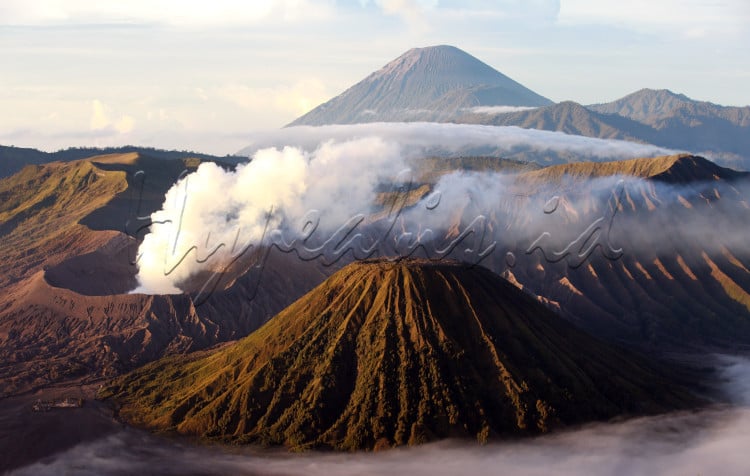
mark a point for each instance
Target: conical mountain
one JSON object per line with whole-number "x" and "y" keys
{"x": 433, "y": 83}
{"x": 392, "y": 353}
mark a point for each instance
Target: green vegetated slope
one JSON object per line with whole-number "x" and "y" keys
{"x": 393, "y": 353}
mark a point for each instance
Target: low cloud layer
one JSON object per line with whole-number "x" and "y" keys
{"x": 171, "y": 12}
{"x": 419, "y": 138}
{"x": 711, "y": 441}
{"x": 334, "y": 175}
{"x": 498, "y": 109}
{"x": 556, "y": 215}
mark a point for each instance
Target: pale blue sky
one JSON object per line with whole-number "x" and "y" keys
{"x": 205, "y": 75}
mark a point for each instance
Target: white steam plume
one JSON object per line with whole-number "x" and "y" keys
{"x": 212, "y": 215}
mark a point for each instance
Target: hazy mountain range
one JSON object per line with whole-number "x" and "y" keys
{"x": 658, "y": 117}
{"x": 443, "y": 83}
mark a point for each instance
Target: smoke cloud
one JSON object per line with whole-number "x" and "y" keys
{"x": 620, "y": 214}
{"x": 325, "y": 184}
{"x": 212, "y": 216}
{"x": 711, "y": 441}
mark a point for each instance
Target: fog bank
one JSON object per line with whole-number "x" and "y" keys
{"x": 711, "y": 442}
{"x": 425, "y": 138}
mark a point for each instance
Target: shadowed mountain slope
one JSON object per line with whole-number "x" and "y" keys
{"x": 392, "y": 353}
{"x": 66, "y": 265}
{"x": 568, "y": 117}
{"x": 682, "y": 277}
{"x": 686, "y": 124}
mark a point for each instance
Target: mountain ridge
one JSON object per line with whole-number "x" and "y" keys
{"x": 13, "y": 159}
{"x": 67, "y": 264}
{"x": 678, "y": 168}
{"x": 569, "y": 117}
{"x": 610, "y": 299}
{"x": 657, "y": 117}
{"x": 651, "y": 105}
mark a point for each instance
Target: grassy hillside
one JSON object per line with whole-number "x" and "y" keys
{"x": 394, "y": 353}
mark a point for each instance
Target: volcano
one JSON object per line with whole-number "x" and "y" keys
{"x": 387, "y": 353}
{"x": 424, "y": 84}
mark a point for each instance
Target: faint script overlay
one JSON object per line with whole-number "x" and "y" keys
{"x": 384, "y": 233}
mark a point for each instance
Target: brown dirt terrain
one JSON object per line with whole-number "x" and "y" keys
{"x": 65, "y": 268}
{"x": 393, "y": 353}
{"x": 27, "y": 436}
{"x": 66, "y": 262}
{"x": 665, "y": 290}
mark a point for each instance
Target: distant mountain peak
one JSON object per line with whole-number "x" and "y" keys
{"x": 676, "y": 121}
{"x": 571, "y": 105}
{"x": 435, "y": 61}
{"x": 431, "y": 83}
{"x": 659, "y": 93}
{"x": 646, "y": 104}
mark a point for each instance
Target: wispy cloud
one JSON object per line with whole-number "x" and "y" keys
{"x": 425, "y": 138}
{"x": 687, "y": 17}
{"x": 100, "y": 119}
{"x": 170, "y": 12}
{"x": 414, "y": 12}
{"x": 295, "y": 99}
{"x": 498, "y": 109}
{"x": 713, "y": 441}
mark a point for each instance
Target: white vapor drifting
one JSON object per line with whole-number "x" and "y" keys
{"x": 498, "y": 109}
{"x": 440, "y": 138}
{"x": 711, "y": 442}
{"x": 213, "y": 215}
